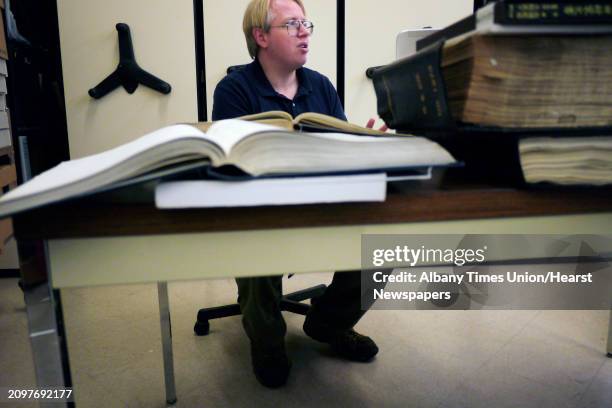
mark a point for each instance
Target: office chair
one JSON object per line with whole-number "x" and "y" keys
{"x": 290, "y": 302}
{"x": 233, "y": 68}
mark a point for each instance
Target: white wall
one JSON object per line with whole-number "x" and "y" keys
{"x": 371, "y": 28}
{"x": 163, "y": 37}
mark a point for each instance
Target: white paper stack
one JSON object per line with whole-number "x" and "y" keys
{"x": 274, "y": 191}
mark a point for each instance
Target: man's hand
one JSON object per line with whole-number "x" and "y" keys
{"x": 371, "y": 122}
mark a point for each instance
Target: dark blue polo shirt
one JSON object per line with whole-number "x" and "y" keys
{"x": 247, "y": 91}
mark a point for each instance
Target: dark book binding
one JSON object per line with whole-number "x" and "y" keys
{"x": 530, "y": 13}
{"x": 411, "y": 98}
{"x": 411, "y": 93}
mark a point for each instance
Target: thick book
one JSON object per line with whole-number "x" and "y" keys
{"x": 530, "y": 17}
{"x": 536, "y": 81}
{"x": 567, "y": 161}
{"x": 271, "y": 191}
{"x": 552, "y": 81}
{"x": 204, "y": 193}
{"x": 250, "y": 148}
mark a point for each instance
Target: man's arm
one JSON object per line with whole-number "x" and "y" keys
{"x": 338, "y": 111}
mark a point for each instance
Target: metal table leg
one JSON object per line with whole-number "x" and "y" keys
{"x": 610, "y": 336}
{"x": 48, "y": 339}
{"x": 166, "y": 336}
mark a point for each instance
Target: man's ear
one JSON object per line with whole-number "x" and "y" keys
{"x": 261, "y": 37}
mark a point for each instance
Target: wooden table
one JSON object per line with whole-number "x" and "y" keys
{"x": 92, "y": 243}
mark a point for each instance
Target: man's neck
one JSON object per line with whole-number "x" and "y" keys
{"x": 283, "y": 81}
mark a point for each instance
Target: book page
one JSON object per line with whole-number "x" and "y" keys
{"x": 282, "y": 123}
{"x": 267, "y": 115}
{"x": 229, "y": 132}
{"x": 72, "y": 171}
{"x": 304, "y": 153}
{"x": 314, "y": 119}
{"x": 565, "y": 143}
{"x": 345, "y": 137}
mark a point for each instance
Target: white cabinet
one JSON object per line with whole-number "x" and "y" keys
{"x": 163, "y": 39}
{"x": 371, "y": 28}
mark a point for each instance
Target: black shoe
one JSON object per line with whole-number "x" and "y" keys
{"x": 271, "y": 366}
{"x": 347, "y": 343}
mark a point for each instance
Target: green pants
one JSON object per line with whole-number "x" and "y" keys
{"x": 259, "y": 298}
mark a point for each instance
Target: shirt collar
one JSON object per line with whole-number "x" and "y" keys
{"x": 265, "y": 88}
{"x": 304, "y": 87}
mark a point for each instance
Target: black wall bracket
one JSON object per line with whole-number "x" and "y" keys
{"x": 128, "y": 74}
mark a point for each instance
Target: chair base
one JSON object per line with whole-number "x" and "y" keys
{"x": 290, "y": 302}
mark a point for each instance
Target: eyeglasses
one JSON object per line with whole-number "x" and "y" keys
{"x": 293, "y": 26}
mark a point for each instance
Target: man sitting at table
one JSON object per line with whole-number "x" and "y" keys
{"x": 277, "y": 35}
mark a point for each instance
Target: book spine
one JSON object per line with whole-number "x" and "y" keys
{"x": 528, "y": 13}
{"x": 411, "y": 94}
{"x": 568, "y": 12}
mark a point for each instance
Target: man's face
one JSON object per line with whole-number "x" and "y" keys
{"x": 286, "y": 50}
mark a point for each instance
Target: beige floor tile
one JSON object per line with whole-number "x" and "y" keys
{"x": 538, "y": 368}
{"x": 599, "y": 393}
{"x": 437, "y": 358}
{"x": 16, "y": 364}
{"x": 491, "y": 387}
{"x": 591, "y": 324}
{"x": 111, "y": 302}
{"x": 562, "y": 361}
{"x": 133, "y": 387}
{"x": 450, "y": 333}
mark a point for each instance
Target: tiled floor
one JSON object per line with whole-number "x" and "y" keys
{"x": 428, "y": 358}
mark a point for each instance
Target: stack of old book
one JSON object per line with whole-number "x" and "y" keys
{"x": 567, "y": 160}
{"x": 514, "y": 70}
{"x": 530, "y": 81}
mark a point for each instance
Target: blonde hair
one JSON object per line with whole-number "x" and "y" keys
{"x": 259, "y": 15}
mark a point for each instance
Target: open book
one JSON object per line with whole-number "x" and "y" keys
{"x": 309, "y": 121}
{"x": 253, "y": 148}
